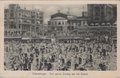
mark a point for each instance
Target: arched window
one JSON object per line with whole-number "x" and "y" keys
{"x": 52, "y": 23}
{"x": 97, "y": 11}
{"x": 55, "y": 22}
{"x": 19, "y": 26}
{"x": 59, "y": 23}
{"x": 5, "y": 33}
{"x": 63, "y": 22}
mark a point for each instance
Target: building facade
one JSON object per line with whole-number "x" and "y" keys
{"x": 58, "y": 21}
{"x": 66, "y": 22}
{"x": 102, "y": 14}
{"x": 93, "y": 24}
{"x": 20, "y": 22}
{"x": 75, "y": 22}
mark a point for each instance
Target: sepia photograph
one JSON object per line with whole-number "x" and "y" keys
{"x": 60, "y": 37}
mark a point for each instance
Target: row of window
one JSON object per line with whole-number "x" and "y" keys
{"x": 57, "y": 23}
{"x": 26, "y": 27}
{"x": 30, "y": 16}
{"x": 30, "y": 21}
{"x": 65, "y": 23}
{"x": 13, "y": 26}
{"x": 61, "y": 28}
{"x": 78, "y": 23}
{"x": 13, "y": 15}
{"x": 12, "y": 33}
{"x": 57, "y": 28}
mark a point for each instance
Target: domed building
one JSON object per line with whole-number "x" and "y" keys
{"x": 58, "y": 21}
{"x": 65, "y": 22}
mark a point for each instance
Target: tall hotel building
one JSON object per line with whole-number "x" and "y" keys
{"x": 103, "y": 14}
{"x": 20, "y": 22}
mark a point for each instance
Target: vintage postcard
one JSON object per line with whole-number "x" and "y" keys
{"x": 50, "y": 39}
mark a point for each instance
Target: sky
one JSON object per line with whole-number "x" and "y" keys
{"x": 50, "y": 9}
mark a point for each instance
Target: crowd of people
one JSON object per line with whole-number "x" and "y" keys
{"x": 83, "y": 56}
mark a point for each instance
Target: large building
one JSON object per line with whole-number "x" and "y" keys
{"x": 58, "y": 21}
{"x": 93, "y": 24}
{"x": 76, "y": 22}
{"x": 66, "y": 22}
{"x": 24, "y": 23}
{"x": 21, "y": 22}
{"x": 102, "y": 14}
